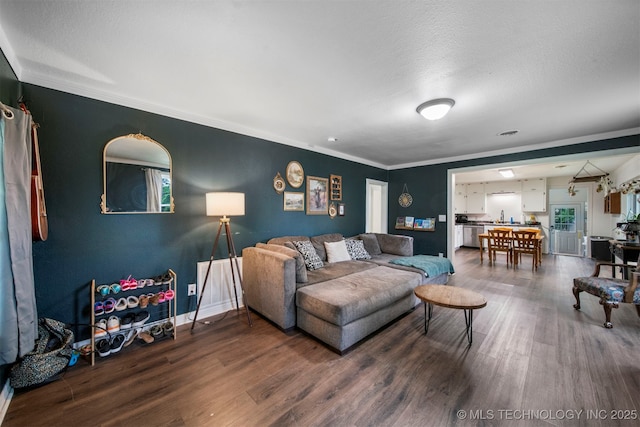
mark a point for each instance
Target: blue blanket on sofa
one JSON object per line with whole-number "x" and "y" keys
{"x": 431, "y": 265}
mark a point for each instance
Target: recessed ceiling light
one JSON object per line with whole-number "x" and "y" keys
{"x": 508, "y": 133}
{"x": 436, "y": 108}
{"x": 332, "y": 139}
{"x": 507, "y": 173}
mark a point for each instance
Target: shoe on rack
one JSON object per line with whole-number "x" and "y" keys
{"x": 168, "y": 328}
{"x": 145, "y": 336}
{"x": 113, "y": 324}
{"x": 132, "y": 301}
{"x": 127, "y": 321}
{"x": 143, "y": 300}
{"x": 98, "y": 308}
{"x": 155, "y": 298}
{"x": 156, "y": 331}
{"x": 116, "y": 343}
{"x": 121, "y": 304}
{"x": 109, "y": 305}
{"x": 103, "y": 347}
{"x": 140, "y": 318}
{"x": 101, "y": 328}
{"x": 130, "y": 337}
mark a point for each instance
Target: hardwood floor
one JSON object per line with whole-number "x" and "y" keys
{"x": 534, "y": 361}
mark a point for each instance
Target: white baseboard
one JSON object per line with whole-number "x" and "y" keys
{"x": 5, "y": 399}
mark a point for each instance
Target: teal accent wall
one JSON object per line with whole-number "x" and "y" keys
{"x": 84, "y": 244}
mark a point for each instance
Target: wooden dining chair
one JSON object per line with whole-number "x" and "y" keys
{"x": 611, "y": 291}
{"x": 525, "y": 242}
{"x": 500, "y": 241}
{"x": 538, "y": 232}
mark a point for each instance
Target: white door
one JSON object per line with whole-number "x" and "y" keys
{"x": 567, "y": 228}
{"x": 377, "y": 202}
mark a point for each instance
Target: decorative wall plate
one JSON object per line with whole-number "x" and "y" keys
{"x": 405, "y": 200}
{"x": 333, "y": 211}
{"x": 295, "y": 174}
{"x": 278, "y": 183}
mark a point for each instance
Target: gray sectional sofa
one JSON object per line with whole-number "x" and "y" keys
{"x": 340, "y": 303}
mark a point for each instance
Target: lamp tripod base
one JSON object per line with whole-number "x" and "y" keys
{"x": 235, "y": 269}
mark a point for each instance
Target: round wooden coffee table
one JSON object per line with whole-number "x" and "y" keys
{"x": 451, "y": 297}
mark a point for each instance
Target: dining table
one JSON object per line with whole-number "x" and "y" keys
{"x": 485, "y": 236}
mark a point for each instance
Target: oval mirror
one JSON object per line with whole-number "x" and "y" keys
{"x": 137, "y": 176}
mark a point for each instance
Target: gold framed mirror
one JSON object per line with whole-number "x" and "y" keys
{"x": 137, "y": 176}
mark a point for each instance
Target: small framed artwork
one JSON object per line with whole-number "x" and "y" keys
{"x": 295, "y": 174}
{"x": 317, "y": 195}
{"x": 293, "y": 201}
{"x": 340, "y": 209}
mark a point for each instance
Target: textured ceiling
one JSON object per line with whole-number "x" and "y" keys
{"x": 299, "y": 72}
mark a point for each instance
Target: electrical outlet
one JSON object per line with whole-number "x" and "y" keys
{"x": 191, "y": 290}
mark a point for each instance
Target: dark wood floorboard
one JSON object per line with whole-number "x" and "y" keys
{"x": 532, "y": 352}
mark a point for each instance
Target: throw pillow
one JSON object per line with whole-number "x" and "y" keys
{"x": 356, "y": 249}
{"x": 371, "y": 243}
{"x": 337, "y": 251}
{"x": 311, "y": 258}
{"x": 301, "y": 271}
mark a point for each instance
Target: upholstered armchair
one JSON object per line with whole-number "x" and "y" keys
{"x": 611, "y": 291}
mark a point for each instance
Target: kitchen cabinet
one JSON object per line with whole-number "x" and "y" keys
{"x": 500, "y": 187}
{"x": 460, "y": 199}
{"x": 475, "y": 198}
{"x": 534, "y": 195}
{"x": 612, "y": 203}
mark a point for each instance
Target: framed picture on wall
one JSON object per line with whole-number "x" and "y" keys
{"x": 317, "y": 195}
{"x": 293, "y": 201}
{"x": 295, "y": 174}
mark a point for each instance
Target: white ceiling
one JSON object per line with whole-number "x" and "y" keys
{"x": 299, "y": 72}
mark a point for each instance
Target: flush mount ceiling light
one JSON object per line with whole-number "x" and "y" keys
{"x": 507, "y": 173}
{"x": 436, "y": 108}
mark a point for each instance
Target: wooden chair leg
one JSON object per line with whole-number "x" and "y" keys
{"x": 576, "y": 294}
{"x": 607, "y": 313}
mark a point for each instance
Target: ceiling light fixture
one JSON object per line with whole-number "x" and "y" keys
{"x": 436, "y": 108}
{"x": 507, "y": 173}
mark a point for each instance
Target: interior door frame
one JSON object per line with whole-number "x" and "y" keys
{"x": 382, "y": 209}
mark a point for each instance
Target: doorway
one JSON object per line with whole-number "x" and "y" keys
{"x": 567, "y": 226}
{"x": 376, "y": 201}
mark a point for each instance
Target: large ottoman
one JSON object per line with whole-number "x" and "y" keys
{"x": 342, "y": 311}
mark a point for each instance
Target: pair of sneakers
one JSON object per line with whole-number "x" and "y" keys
{"x": 106, "y": 327}
{"x": 106, "y": 347}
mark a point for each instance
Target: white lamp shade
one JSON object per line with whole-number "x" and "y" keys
{"x": 223, "y": 204}
{"x": 436, "y": 108}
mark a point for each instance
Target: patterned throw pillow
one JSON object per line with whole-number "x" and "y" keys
{"x": 311, "y": 258}
{"x": 356, "y": 249}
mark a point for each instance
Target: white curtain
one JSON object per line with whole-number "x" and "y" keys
{"x": 18, "y": 312}
{"x": 153, "y": 178}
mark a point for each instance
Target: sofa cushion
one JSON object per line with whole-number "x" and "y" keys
{"x": 356, "y": 249}
{"x": 396, "y": 245}
{"x": 301, "y": 269}
{"x": 371, "y": 243}
{"x": 348, "y": 298}
{"x": 282, "y": 240}
{"x": 318, "y": 243}
{"x": 311, "y": 258}
{"x": 336, "y": 270}
{"x": 337, "y": 251}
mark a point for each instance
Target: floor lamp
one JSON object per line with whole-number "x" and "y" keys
{"x": 223, "y": 204}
